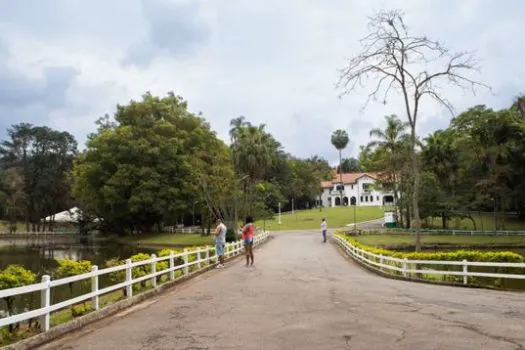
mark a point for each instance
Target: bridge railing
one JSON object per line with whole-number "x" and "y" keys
{"x": 204, "y": 257}
{"x": 452, "y": 271}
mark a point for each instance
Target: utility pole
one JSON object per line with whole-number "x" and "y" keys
{"x": 292, "y": 207}
{"x": 280, "y": 222}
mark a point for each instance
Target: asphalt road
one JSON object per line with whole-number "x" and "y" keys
{"x": 303, "y": 294}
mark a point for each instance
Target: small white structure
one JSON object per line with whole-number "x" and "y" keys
{"x": 71, "y": 215}
{"x": 390, "y": 219}
{"x": 355, "y": 189}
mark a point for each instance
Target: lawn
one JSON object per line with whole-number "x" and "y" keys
{"x": 484, "y": 222}
{"x": 174, "y": 239}
{"x": 393, "y": 240}
{"x": 311, "y": 219}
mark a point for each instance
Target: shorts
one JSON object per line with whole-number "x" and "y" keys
{"x": 219, "y": 249}
{"x": 248, "y": 241}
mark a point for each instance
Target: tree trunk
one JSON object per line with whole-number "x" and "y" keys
{"x": 341, "y": 176}
{"x": 444, "y": 220}
{"x": 415, "y": 189}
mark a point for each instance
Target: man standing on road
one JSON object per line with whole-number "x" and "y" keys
{"x": 220, "y": 242}
{"x": 324, "y": 228}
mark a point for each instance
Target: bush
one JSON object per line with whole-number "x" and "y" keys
{"x": 11, "y": 277}
{"x": 459, "y": 255}
{"x": 79, "y": 310}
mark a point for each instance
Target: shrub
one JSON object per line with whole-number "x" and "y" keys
{"x": 11, "y": 277}
{"x": 459, "y": 255}
{"x": 79, "y": 310}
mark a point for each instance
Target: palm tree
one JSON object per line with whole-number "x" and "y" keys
{"x": 340, "y": 141}
{"x": 390, "y": 141}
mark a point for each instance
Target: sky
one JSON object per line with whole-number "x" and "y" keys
{"x": 66, "y": 63}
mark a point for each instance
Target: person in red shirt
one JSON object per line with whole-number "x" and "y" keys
{"x": 248, "y": 233}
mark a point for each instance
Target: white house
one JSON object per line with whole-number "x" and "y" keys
{"x": 357, "y": 189}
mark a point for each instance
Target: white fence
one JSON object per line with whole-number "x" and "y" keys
{"x": 443, "y": 232}
{"x": 408, "y": 268}
{"x": 204, "y": 256}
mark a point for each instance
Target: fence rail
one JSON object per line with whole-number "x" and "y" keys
{"x": 203, "y": 256}
{"x": 411, "y": 268}
{"x": 444, "y": 232}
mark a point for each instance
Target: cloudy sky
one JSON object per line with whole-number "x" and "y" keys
{"x": 65, "y": 63}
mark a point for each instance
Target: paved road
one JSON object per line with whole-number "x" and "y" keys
{"x": 303, "y": 294}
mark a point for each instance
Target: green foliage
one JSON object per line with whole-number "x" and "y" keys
{"x": 80, "y": 310}
{"x": 145, "y": 168}
{"x": 69, "y": 267}
{"x": 459, "y": 255}
{"x": 36, "y": 160}
{"x": 14, "y": 276}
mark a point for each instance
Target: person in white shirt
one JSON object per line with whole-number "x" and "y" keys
{"x": 324, "y": 228}
{"x": 220, "y": 241}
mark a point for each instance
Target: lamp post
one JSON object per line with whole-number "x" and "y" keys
{"x": 280, "y": 213}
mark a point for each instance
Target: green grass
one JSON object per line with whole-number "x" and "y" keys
{"x": 175, "y": 239}
{"x": 311, "y": 219}
{"x": 393, "y": 240}
{"x": 484, "y": 222}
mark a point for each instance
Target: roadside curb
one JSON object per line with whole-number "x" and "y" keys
{"x": 80, "y": 322}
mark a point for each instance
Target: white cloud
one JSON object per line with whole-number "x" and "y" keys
{"x": 274, "y": 62}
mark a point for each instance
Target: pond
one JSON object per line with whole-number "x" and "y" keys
{"x": 40, "y": 256}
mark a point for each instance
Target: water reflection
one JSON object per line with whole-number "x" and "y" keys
{"x": 40, "y": 256}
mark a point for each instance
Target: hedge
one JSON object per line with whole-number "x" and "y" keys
{"x": 459, "y": 255}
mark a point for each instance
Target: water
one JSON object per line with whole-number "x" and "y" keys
{"x": 40, "y": 256}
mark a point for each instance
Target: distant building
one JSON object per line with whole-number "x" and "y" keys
{"x": 361, "y": 189}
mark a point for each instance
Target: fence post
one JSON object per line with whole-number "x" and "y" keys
{"x": 186, "y": 261}
{"x": 465, "y": 271}
{"x": 198, "y": 258}
{"x": 208, "y": 255}
{"x": 129, "y": 278}
{"x": 45, "y": 300}
{"x": 381, "y": 262}
{"x": 405, "y": 267}
{"x": 153, "y": 271}
{"x": 172, "y": 266}
{"x": 94, "y": 288}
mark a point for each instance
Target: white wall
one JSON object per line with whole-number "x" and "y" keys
{"x": 371, "y": 198}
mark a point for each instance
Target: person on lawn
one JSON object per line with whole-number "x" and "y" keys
{"x": 324, "y": 228}
{"x": 220, "y": 241}
{"x": 248, "y": 233}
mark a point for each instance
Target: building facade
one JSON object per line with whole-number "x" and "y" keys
{"x": 361, "y": 189}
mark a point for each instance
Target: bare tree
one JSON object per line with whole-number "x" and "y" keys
{"x": 414, "y": 66}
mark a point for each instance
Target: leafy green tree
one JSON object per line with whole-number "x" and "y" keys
{"x": 143, "y": 170}
{"x": 42, "y": 158}
{"x": 349, "y": 165}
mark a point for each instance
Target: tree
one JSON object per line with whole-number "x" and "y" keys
{"x": 144, "y": 170}
{"x": 340, "y": 141}
{"x": 43, "y": 158}
{"x": 415, "y": 66}
{"x": 349, "y": 165}
{"x": 390, "y": 142}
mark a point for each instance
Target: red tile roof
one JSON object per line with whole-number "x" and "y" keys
{"x": 348, "y": 178}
